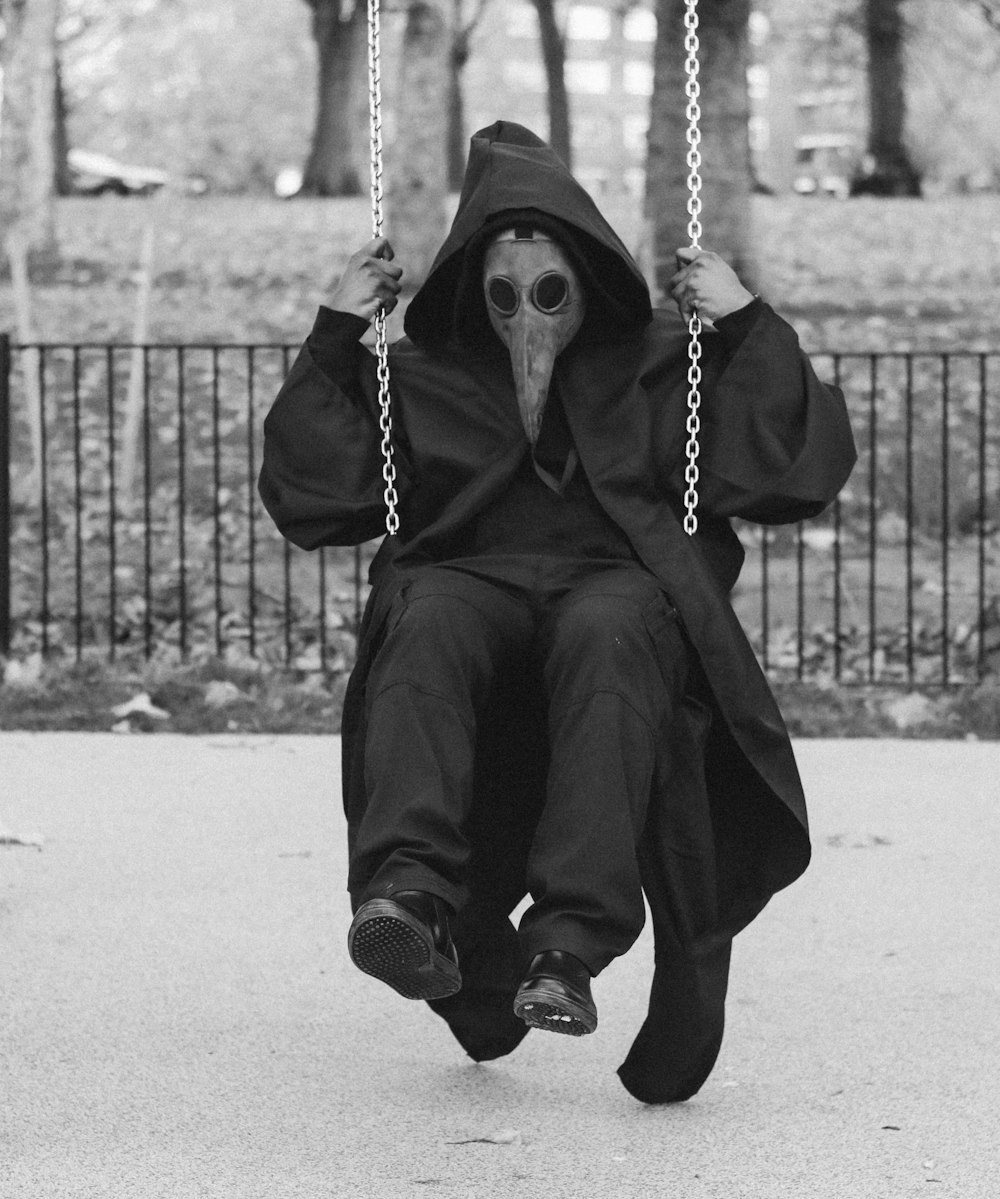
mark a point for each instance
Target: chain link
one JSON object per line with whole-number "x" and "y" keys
{"x": 692, "y": 90}
{"x": 381, "y": 344}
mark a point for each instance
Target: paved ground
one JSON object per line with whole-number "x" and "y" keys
{"x": 178, "y": 1016}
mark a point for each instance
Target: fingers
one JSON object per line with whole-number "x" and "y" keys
{"x": 386, "y": 285}
{"x": 683, "y": 284}
{"x": 384, "y": 304}
{"x": 376, "y": 259}
{"x": 691, "y": 262}
{"x": 706, "y": 284}
{"x": 379, "y": 247}
{"x": 372, "y": 281}
{"x": 381, "y": 297}
{"x": 687, "y": 305}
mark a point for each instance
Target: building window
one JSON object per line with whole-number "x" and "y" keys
{"x": 635, "y": 182}
{"x": 758, "y": 82}
{"x": 522, "y": 21}
{"x": 637, "y": 78}
{"x": 760, "y": 135}
{"x": 588, "y": 23}
{"x": 524, "y": 75}
{"x": 760, "y": 27}
{"x": 634, "y": 130}
{"x": 639, "y": 25}
{"x": 588, "y": 76}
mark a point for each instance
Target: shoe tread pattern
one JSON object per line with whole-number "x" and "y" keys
{"x": 388, "y": 947}
{"x": 553, "y": 1017}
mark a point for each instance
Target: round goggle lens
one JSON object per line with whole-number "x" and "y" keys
{"x": 550, "y": 292}
{"x": 503, "y": 295}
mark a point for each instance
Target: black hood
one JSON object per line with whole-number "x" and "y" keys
{"x": 513, "y": 176}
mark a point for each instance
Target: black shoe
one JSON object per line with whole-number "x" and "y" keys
{"x": 405, "y": 942}
{"x": 555, "y": 995}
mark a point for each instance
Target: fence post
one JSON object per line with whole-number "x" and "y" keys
{"x": 6, "y": 369}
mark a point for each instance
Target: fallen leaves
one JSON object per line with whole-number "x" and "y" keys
{"x": 24, "y": 672}
{"x": 909, "y": 711}
{"x": 9, "y": 837}
{"x": 504, "y": 1136}
{"x": 220, "y": 693}
{"x": 868, "y": 841}
{"x": 141, "y": 705}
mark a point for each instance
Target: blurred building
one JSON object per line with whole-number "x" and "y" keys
{"x": 609, "y": 77}
{"x": 809, "y": 120}
{"x": 807, "y": 117}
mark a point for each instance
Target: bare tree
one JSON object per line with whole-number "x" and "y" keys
{"x": 891, "y": 171}
{"x": 465, "y": 17}
{"x": 554, "y": 58}
{"x": 338, "y": 157}
{"x": 27, "y": 173}
{"x": 27, "y": 131}
{"x": 60, "y": 132}
{"x": 417, "y": 173}
{"x": 725, "y": 147}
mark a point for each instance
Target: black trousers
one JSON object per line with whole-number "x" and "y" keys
{"x": 613, "y": 661}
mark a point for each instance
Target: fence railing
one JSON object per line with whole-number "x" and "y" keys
{"x": 130, "y": 522}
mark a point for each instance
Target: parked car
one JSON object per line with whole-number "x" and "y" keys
{"x": 94, "y": 174}
{"x": 824, "y": 164}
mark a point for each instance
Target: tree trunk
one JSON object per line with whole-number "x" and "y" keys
{"x": 464, "y": 19}
{"x": 27, "y": 177}
{"x": 554, "y": 57}
{"x": 458, "y": 57}
{"x": 890, "y": 172}
{"x": 725, "y": 145}
{"x": 416, "y": 167}
{"x": 60, "y": 135}
{"x": 338, "y": 157}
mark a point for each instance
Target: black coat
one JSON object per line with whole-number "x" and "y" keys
{"x": 727, "y": 825}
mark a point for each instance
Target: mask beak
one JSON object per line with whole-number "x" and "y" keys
{"x": 532, "y": 357}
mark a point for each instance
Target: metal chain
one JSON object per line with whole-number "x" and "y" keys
{"x": 693, "y": 425}
{"x": 381, "y": 344}
{"x": 692, "y": 90}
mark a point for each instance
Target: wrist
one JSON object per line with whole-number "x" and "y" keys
{"x": 735, "y": 325}
{"x": 741, "y": 301}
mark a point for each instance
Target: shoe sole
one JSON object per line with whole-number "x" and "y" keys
{"x": 551, "y": 1012}
{"x": 388, "y": 943}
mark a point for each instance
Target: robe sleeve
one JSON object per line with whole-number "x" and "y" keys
{"x": 776, "y": 443}
{"x": 321, "y": 478}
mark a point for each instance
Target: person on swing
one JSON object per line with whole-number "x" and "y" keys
{"x": 552, "y": 695}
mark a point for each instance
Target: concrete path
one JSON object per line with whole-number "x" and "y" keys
{"x": 178, "y": 1015}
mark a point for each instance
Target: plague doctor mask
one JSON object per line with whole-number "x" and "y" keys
{"x": 536, "y": 304}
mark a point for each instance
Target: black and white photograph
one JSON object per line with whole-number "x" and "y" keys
{"x": 499, "y": 599}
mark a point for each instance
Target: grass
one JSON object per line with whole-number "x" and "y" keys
{"x": 881, "y": 275}
{"x": 857, "y": 275}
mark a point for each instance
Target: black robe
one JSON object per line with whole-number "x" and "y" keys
{"x": 727, "y": 825}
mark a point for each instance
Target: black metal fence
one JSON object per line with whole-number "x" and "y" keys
{"x": 130, "y": 522}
